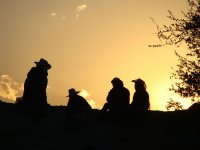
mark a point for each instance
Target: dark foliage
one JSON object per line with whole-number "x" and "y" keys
{"x": 184, "y": 31}
{"x": 174, "y": 105}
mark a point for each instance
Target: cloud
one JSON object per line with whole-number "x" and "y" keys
{"x": 63, "y": 17}
{"x": 86, "y": 95}
{"x": 79, "y": 9}
{"x": 10, "y": 89}
{"x": 93, "y": 104}
{"x": 53, "y": 14}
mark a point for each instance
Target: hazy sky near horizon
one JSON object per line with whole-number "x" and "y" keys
{"x": 88, "y": 43}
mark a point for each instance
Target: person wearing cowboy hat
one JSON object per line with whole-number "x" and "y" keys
{"x": 34, "y": 96}
{"x": 141, "y": 97}
{"x": 76, "y": 104}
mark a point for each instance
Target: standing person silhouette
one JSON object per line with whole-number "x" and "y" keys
{"x": 34, "y": 96}
{"x": 118, "y": 97}
{"x": 141, "y": 97}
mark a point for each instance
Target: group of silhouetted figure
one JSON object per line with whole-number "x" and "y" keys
{"x": 34, "y": 99}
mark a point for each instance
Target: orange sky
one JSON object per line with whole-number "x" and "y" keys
{"x": 87, "y": 42}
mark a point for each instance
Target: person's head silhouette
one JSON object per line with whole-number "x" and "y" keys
{"x": 43, "y": 64}
{"x": 72, "y": 92}
{"x": 116, "y": 82}
{"x": 139, "y": 85}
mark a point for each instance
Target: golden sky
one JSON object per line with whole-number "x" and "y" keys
{"x": 87, "y": 42}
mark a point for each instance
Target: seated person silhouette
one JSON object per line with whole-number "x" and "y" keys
{"x": 118, "y": 97}
{"x": 76, "y": 104}
{"x": 141, "y": 97}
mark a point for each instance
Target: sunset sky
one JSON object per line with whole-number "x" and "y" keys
{"x": 88, "y": 43}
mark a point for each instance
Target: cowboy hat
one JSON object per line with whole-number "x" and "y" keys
{"x": 139, "y": 81}
{"x": 72, "y": 92}
{"x": 43, "y": 64}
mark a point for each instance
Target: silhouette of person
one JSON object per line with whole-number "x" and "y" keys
{"x": 76, "y": 104}
{"x": 141, "y": 97}
{"x": 34, "y": 95}
{"x": 118, "y": 97}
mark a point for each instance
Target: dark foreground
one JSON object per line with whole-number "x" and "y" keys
{"x": 155, "y": 130}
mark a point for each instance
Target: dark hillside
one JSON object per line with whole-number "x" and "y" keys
{"x": 155, "y": 129}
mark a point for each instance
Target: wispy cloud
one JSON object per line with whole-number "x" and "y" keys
{"x": 93, "y": 104}
{"x": 53, "y": 14}
{"x": 63, "y": 17}
{"x": 86, "y": 95}
{"x": 79, "y": 9}
{"x": 9, "y": 89}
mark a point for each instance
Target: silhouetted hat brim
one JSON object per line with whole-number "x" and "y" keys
{"x": 43, "y": 64}
{"x": 138, "y": 81}
{"x": 73, "y": 93}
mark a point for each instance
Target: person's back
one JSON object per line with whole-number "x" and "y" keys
{"x": 141, "y": 97}
{"x": 118, "y": 97}
{"x": 76, "y": 104}
{"x": 140, "y": 100}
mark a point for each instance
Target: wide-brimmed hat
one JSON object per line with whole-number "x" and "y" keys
{"x": 43, "y": 64}
{"x": 139, "y": 82}
{"x": 72, "y": 92}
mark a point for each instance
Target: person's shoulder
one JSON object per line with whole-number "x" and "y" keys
{"x": 35, "y": 69}
{"x": 112, "y": 90}
{"x": 146, "y": 92}
{"x": 32, "y": 70}
{"x": 125, "y": 89}
{"x": 80, "y": 97}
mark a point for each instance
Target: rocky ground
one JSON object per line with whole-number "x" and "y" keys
{"x": 156, "y": 129}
